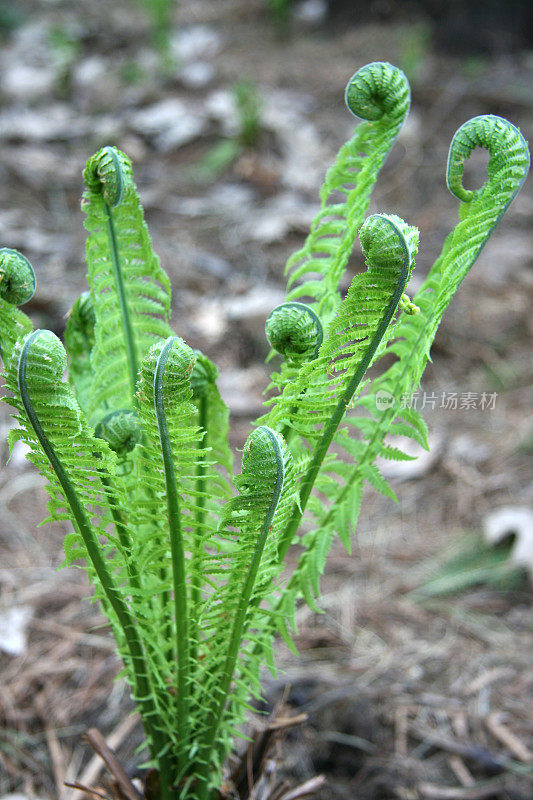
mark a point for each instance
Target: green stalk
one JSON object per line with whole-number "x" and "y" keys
{"x": 323, "y": 444}
{"x": 176, "y": 549}
{"x": 131, "y": 345}
{"x": 142, "y": 687}
{"x": 120, "y": 526}
{"x": 199, "y": 516}
{"x": 222, "y": 689}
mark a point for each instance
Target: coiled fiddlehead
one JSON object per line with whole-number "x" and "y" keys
{"x": 379, "y": 94}
{"x": 480, "y": 210}
{"x": 121, "y": 430}
{"x": 295, "y": 331}
{"x": 17, "y": 278}
{"x": 378, "y": 90}
{"x": 17, "y": 285}
{"x": 109, "y": 172}
{"x": 506, "y": 146}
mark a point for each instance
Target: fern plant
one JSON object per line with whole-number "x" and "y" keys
{"x": 185, "y": 557}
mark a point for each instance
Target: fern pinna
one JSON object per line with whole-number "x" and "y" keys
{"x": 186, "y": 558}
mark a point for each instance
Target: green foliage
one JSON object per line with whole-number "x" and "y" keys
{"x": 129, "y": 290}
{"x": 248, "y": 104}
{"x": 218, "y": 159}
{"x": 280, "y": 11}
{"x": 159, "y": 13}
{"x": 185, "y": 557}
{"x": 225, "y": 152}
{"x": 471, "y": 562}
{"x": 65, "y": 48}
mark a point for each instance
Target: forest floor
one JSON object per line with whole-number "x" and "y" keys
{"x": 408, "y": 695}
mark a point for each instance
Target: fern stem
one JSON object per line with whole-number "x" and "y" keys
{"x": 120, "y": 526}
{"x": 142, "y": 686}
{"x": 176, "y": 548}
{"x": 198, "y": 549}
{"x": 131, "y": 345}
{"x": 237, "y": 632}
{"x": 308, "y": 481}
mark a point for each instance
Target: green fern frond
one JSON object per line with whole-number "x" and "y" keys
{"x": 129, "y": 290}
{"x": 64, "y": 450}
{"x": 169, "y": 460}
{"x": 378, "y": 94}
{"x": 357, "y": 336}
{"x": 250, "y": 524}
{"x": 479, "y": 213}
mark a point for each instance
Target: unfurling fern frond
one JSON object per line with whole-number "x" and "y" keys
{"x": 241, "y": 574}
{"x": 294, "y": 331}
{"x": 378, "y": 94}
{"x": 17, "y": 285}
{"x": 479, "y": 213}
{"x": 64, "y": 450}
{"x": 121, "y": 430}
{"x": 129, "y": 290}
{"x": 164, "y": 512}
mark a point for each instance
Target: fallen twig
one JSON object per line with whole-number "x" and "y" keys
{"x": 98, "y": 743}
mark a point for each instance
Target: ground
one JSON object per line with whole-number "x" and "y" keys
{"x": 407, "y": 697}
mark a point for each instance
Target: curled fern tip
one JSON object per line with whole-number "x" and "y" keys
{"x": 385, "y": 240}
{"x": 376, "y": 90}
{"x": 203, "y": 375}
{"x": 121, "y": 430}
{"x": 171, "y": 361}
{"x": 507, "y": 148}
{"x": 294, "y": 330}
{"x": 42, "y": 359}
{"x": 17, "y": 278}
{"x": 109, "y": 171}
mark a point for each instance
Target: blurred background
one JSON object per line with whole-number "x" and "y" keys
{"x": 417, "y": 676}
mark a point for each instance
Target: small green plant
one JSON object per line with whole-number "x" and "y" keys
{"x": 248, "y": 104}
{"x": 159, "y": 13}
{"x": 186, "y": 559}
{"x": 65, "y": 49}
{"x": 226, "y": 151}
{"x": 280, "y": 12}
